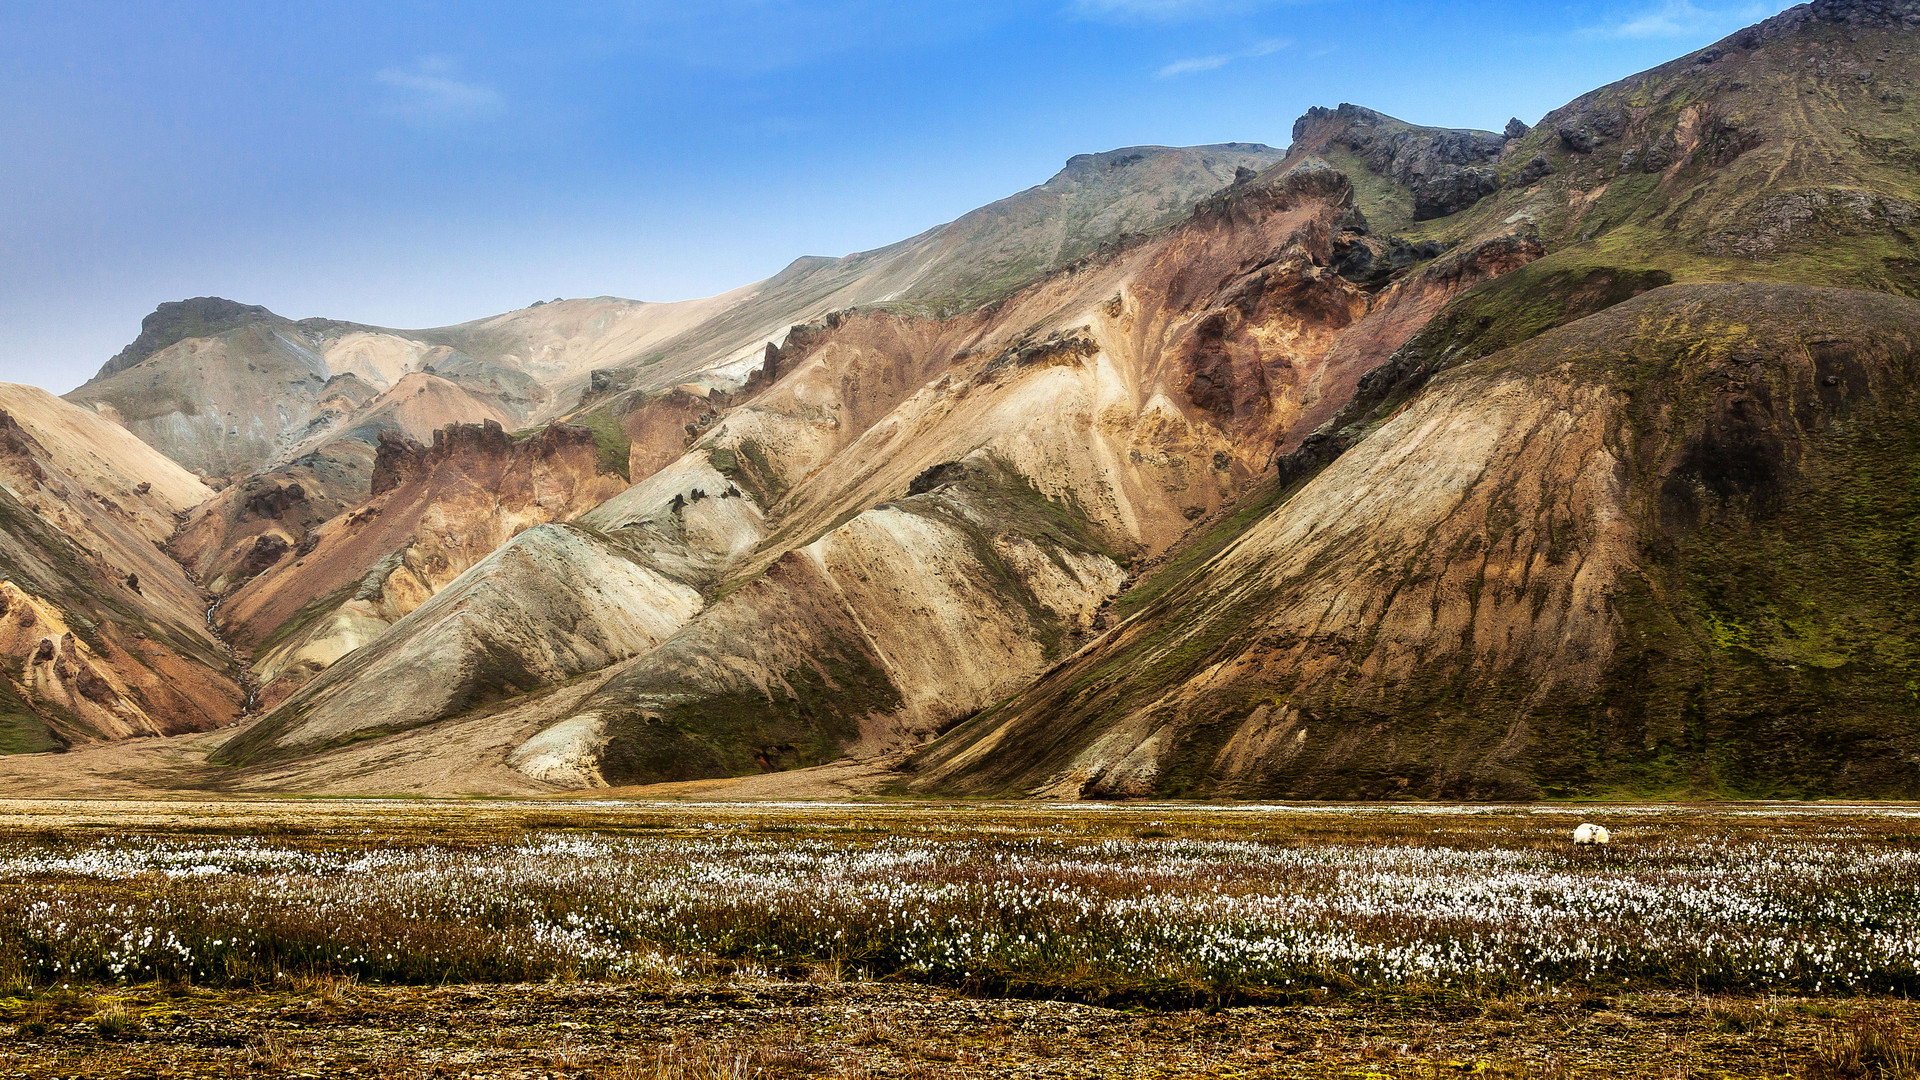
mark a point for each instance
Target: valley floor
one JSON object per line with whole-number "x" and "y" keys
{"x": 655, "y": 938}
{"x": 744, "y": 1028}
{"x": 176, "y": 766}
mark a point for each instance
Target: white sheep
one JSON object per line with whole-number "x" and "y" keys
{"x": 1592, "y": 834}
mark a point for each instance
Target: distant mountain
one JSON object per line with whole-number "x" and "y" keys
{"x": 230, "y": 389}
{"x": 258, "y": 392}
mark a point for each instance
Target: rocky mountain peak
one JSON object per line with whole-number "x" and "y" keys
{"x": 1857, "y": 12}
{"x": 1447, "y": 169}
{"x": 178, "y": 320}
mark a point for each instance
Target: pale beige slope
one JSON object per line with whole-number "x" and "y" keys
{"x": 560, "y": 343}
{"x": 103, "y": 634}
{"x": 106, "y": 456}
{"x": 554, "y": 602}
{"x": 869, "y": 639}
{"x": 83, "y": 475}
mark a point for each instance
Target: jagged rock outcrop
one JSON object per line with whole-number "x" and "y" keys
{"x": 399, "y": 459}
{"x": 328, "y": 589}
{"x": 395, "y": 456}
{"x": 1446, "y": 170}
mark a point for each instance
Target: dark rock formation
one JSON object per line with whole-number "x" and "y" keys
{"x": 769, "y": 370}
{"x": 17, "y": 445}
{"x": 1577, "y": 139}
{"x": 272, "y": 502}
{"x": 800, "y": 340}
{"x": 1515, "y": 129}
{"x": 1447, "y": 169}
{"x": 395, "y": 458}
{"x": 1068, "y": 347}
{"x": 607, "y": 380}
{"x": 267, "y": 549}
{"x": 176, "y": 321}
{"x": 936, "y": 477}
{"x": 1534, "y": 171}
{"x": 399, "y": 459}
{"x": 1371, "y": 260}
{"x": 1452, "y": 190}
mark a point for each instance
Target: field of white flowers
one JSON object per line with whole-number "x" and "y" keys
{"x": 1155, "y": 904}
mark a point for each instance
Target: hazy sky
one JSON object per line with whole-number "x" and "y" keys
{"x": 417, "y": 164}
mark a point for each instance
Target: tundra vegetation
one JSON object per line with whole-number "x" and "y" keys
{"x": 523, "y": 938}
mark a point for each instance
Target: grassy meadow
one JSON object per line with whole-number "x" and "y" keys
{"x": 1789, "y": 933}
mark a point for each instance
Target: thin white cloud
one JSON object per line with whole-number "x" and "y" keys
{"x": 1682, "y": 18}
{"x": 1195, "y": 64}
{"x": 429, "y": 92}
{"x": 1190, "y": 66}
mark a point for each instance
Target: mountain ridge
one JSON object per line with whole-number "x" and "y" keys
{"x": 1565, "y": 460}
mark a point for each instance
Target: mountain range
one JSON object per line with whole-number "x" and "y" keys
{"x": 1576, "y": 459}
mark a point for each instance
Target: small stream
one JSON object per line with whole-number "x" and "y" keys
{"x": 241, "y": 664}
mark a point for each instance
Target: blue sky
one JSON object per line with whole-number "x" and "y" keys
{"x": 422, "y": 163}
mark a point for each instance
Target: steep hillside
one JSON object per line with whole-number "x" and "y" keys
{"x": 945, "y": 482}
{"x": 1617, "y": 556}
{"x": 102, "y": 634}
{"x": 436, "y": 511}
{"x": 1665, "y": 548}
{"x": 1096, "y": 200}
